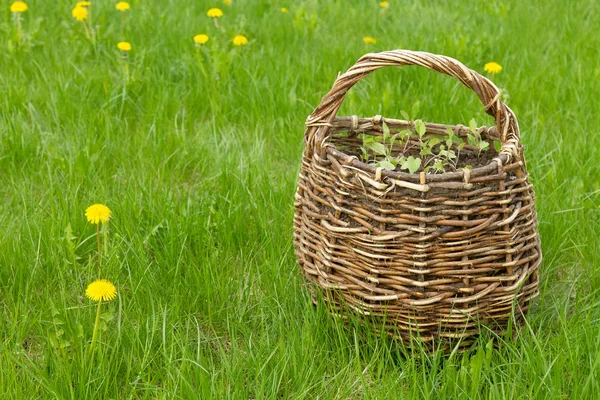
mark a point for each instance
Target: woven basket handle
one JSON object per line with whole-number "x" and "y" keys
{"x": 318, "y": 123}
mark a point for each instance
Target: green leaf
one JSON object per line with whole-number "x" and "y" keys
{"x": 451, "y": 138}
{"x": 405, "y": 133}
{"x": 497, "y": 145}
{"x": 107, "y": 316}
{"x": 470, "y": 139}
{"x": 71, "y": 246}
{"x": 385, "y": 164}
{"x": 69, "y": 234}
{"x": 412, "y": 164}
{"x": 53, "y": 310}
{"x": 433, "y": 141}
{"x": 420, "y": 127}
{"x": 376, "y": 148}
{"x": 405, "y": 115}
{"x": 386, "y": 132}
{"x": 365, "y": 154}
{"x": 80, "y": 331}
{"x": 426, "y": 151}
{"x": 473, "y": 125}
{"x": 483, "y": 145}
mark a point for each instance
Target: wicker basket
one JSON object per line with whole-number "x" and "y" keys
{"x": 438, "y": 256}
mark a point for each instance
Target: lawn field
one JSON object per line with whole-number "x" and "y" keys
{"x": 196, "y": 149}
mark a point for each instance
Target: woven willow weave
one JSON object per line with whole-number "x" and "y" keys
{"x": 437, "y": 255}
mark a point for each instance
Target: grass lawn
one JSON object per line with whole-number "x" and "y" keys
{"x": 197, "y": 150}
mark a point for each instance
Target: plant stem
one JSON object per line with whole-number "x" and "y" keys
{"x": 200, "y": 60}
{"x": 86, "y": 28}
{"x": 96, "y": 325}
{"x": 19, "y": 29}
{"x": 98, "y": 240}
{"x": 92, "y": 30}
{"x": 125, "y": 83}
{"x": 105, "y": 234}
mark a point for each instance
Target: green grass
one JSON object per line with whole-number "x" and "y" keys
{"x": 200, "y": 174}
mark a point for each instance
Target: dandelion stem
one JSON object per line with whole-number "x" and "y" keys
{"x": 96, "y": 325}
{"x": 105, "y": 234}
{"x": 98, "y": 240}
{"x": 19, "y": 29}
{"x": 200, "y": 61}
{"x": 125, "y": 83}
{"x": 92, "y": 31}
{"x": 126, "y": 72}
{"x": 88, "y": 33}
{"x": 122, "y": 24}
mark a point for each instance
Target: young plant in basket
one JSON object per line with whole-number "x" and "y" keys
{"x": 475, "y": 138}
{"x": 445, "y": 159}
{"x": 431, "y": 153}
{"x": 382, "y": 148}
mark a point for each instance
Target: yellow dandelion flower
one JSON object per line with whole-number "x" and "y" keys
{"x": 215, "y": 13}
{"x": 124, "y": 46}
{"x": 284, "y": 10}
{"x": 18, "y": 7}
{"x": 83, "y": 4}
{"x": 97, "y": 213}
{"x": 80, "y": 13}
{"x": 101, "y": 290}
{"x": 201, "y": 38}
{"x": 227, "y": 2}
{"x": 369, "y": 40}
{"x": 240, "y": 40}
{"x": 122, "y": 6}
{"x": 492, "y": 67}
{"x": 384, "y": 4}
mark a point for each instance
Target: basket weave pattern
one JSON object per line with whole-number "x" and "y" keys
{"x": 437, "y": 255}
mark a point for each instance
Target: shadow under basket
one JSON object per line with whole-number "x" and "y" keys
{"x": 431, "y": 258}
